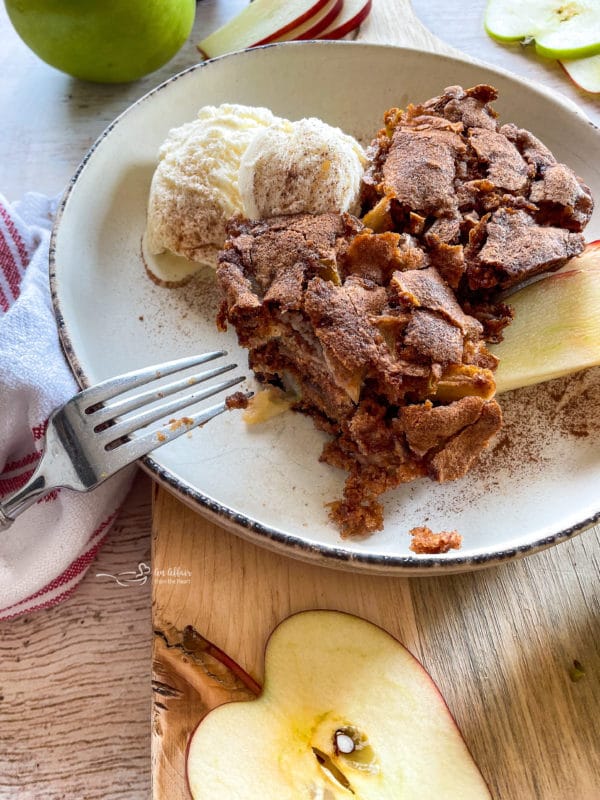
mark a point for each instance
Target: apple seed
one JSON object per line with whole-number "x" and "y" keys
{"x": 334, "y": 772}
{"x": 343, "y": 742}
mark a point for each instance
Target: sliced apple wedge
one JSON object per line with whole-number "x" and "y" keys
{"x": 584, "y": 72}
{"x": 346, "y": 712}
{"x": 313, "y": 26}
{"x": 349, "y": 19}
{"x": 556, "y": 327}
{"x": 260, "y": 22}
{"x": 560, "y": 28}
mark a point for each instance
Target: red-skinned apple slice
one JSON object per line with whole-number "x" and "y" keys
{"x": 260, "y": 22}
{"x": 352, "y": 15}
{"x": 317, "y": 23}
{"x": 346, "y": 711}
{"x": 584, "y": 72}
{"x": 556, "y": 327}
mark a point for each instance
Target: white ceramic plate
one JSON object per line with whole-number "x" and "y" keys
{"x": 537, "y": 486}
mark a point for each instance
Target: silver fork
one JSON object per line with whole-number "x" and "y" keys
{"x": 93, "y": 435}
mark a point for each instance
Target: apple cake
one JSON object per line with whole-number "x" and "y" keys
{"x": 373, "y": 344}
{"x": 377, "y": 327}
{"x": 488, "y": 203}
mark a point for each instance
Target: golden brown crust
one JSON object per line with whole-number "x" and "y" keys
{"x": 494, "y": 205}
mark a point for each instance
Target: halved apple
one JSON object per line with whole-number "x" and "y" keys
{"x": 584, "y": 72}
{"x": 556, "y": 327}
{"x": 313, "y": 26}
{"x": 346, "y": 712}
{"x": 260, "y": 22}
{"x": 349, "y": 19}
{"x": 560, "y": 28}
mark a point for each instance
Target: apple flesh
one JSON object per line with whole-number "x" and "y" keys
{"x": 260, "y": 22}
{"x": 346, "y": 712}
{"x": 352, "y": 15}
{"x": 560, "y": 28}
{"x": 556, "y": 327}
{"x": 584, "y": 72}
{"x": 106, "y": 41}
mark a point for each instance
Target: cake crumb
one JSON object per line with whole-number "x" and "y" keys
{"x": 175, "y": 424}
{"x": 424, "y": 540}
{"x": 236, "y": 400}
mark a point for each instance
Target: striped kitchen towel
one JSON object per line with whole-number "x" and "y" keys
{"x": 46, "y": 552}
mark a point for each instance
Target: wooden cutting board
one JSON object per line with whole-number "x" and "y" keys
{"x": 500, "y": 644}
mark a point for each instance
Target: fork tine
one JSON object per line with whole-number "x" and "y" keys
{"x": 114, "y": 386}
{"x": 142, "y": 445}
{"x": 131, "y": 424}
{"x": 109, "y": 411}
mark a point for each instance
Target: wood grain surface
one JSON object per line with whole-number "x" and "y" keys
{"x": 500, "y": 644}
{"x": 74, "y": 681}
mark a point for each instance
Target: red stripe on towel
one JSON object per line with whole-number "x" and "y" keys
{"x": 19, "y": 463}
{"x": 15, "y": 235}
{"x": 4, "y": 304}
{"x": 76, "y": 569}
{"x": 9, "y": 267}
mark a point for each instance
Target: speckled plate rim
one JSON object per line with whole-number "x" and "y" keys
{"x": 251, "y": 529}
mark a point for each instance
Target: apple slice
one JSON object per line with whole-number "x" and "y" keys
{"x": 352, "y": 15}
{"x": 588, "y": 259}
{"x": 346, "y": 712}
{"x": 560, "y": 28}
{"x": 314, "y": 25}
{"x": 556, "y": 327}
{"x": 260, "y": 22}
{"x": 584, "y": 72}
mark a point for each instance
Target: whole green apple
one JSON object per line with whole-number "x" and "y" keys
{"x": 107, "y": 41}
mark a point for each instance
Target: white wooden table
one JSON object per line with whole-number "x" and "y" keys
{"x": 74, "y": 681}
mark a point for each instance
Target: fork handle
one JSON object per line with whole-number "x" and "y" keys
{"x": 36, "y": 487}
{"x": 5, "y": 520}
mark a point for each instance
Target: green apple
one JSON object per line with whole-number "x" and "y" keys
{"x": 107, "y": 41}
{"x": 556, "y": 327}
{"x": 346, "y": 712}
{"x": 560, "y": 28}
{"x": 584, "y": 72}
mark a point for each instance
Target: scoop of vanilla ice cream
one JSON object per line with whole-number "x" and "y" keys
{"x": 194, "y": 190}
{"x": 300, "y": 167}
